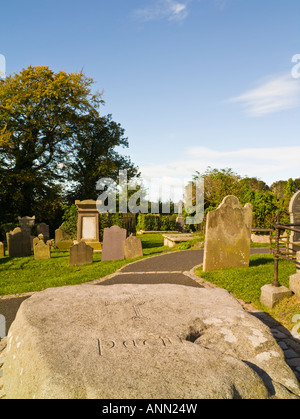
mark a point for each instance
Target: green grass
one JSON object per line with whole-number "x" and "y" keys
{"x": 20, "y": 275}
{"x": 246, "y": 283}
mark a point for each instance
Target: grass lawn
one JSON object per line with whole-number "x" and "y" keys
{"x": 245, "y": 284}
{"x": 20, "y": 275}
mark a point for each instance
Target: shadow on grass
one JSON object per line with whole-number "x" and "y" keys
{"x": 261, "y": 261}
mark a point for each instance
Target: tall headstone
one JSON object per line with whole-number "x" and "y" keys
{"x": 180, "y": 220}
{"x": 18, "y": 242}
{"x": 133, "y": 247}
{"x": 41, "y": 250}
{"x": 113, "y": 243}
{"x": 81, "y": 254}
{"x": 2, "y": 250}
{"x": 294, "y": 210}
{"x": 88, "y": 223}
{"x": 228, "y": 233}
{"x": 43, "y": 229}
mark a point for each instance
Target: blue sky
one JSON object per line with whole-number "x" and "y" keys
{"x": 195, "y": 83}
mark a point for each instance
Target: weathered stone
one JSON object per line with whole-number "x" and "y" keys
{"x": 18, "y": 243}
{"x": 142, "y": 342}
{"x": 64, "y": 244}
{"x": 43, "y": 229}
{"x": 60, "y": 235}
{"x": 271, "y": 295}
{"x": 26, "y": 221}
{"x": 294, "y": 210}
{"x": 81, "y": 254}
{"x": 41, "y": 250}
{"x": 2, "y": 250}
{"x": 35, "y": 241}
{"x": 171, "y": 240}
{"x": 113, "y": 241}
{"x": 294, "y": 284}
{"x": 227, "y": 238}
{"x": 133, "y": 247}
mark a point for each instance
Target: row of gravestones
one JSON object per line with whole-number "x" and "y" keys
{"x": 115, "y": 247}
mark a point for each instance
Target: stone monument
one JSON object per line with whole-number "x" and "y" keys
{"x": 18, "y": 243}
{"x": 130, "y": 341}
{"x": 294, "y": 210}
{"x": 41, "y": 250}
{"x": 227, "y": 238}
{"x": 132, "y": 247}
{"x": 113, "y": 243}
{"x": 81, "y": 254}
{"x": 294, "y": 284}
{"x": 2, "y": 250}
{"x": 26, "y": 221}
{"x": 180, "y": 220}
{"x": 43, "y": 229}
{"x": 88, "y": 223}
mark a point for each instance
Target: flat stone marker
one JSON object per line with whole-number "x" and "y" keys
{"x": 113, "y": 240}
{"x": 133, "y": 247}
{"x": 41, "y": 250}
{"x": 81, "y": 254}
{"x": 18, "y": 243}
{"x": 142, "y": 342}
{"x": 228, "y": 235}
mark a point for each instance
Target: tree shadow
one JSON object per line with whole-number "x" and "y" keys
{"x": 261, "y": 261}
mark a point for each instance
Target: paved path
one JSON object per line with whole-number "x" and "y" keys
{"x": 173, "y": 267}
{"x": 170, "y": 268}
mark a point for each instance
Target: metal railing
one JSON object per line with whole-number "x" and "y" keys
{"x": 290, "y": 253}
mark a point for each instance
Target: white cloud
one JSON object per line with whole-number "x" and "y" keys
{"x": 164, "y": 9}
{"x": 267, "y": 164}
{"x": 274, "y": 95}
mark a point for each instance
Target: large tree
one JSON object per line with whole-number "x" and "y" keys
{"x": 47, "y": 121}
{"x": 96, "y": 156}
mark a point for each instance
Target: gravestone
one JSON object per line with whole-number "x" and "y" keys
{"x": 133, "y": 247}
{"x": 294, "y": 210}
{"x": 43, "y": 229}
{"x": 81, "y": 254}
{"x": 180, "y": 220}
{"x": 26, "y": 223}
{"x": 2, "y": 250}
{"x": 41, "y": 250}
{"x": 18, "y": 243}
{"x": 294, "y": 282}
{"x": 132, "y": 341}
{"x": 113, "y": 243}
{"x": 88, "y": 223}
{"x": 35, "y": 241}
{"x": 228, "y": 233}
{"x": 60, "y": 235}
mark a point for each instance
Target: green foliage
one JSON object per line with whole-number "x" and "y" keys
{"x": 156, "y": 222}
{"x": 184, "y": 245}
{"x": 70, "y": 217}
{"x": 266, "y": 201}
{"x": 54, "y": 145}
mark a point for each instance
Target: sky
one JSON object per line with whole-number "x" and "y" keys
{"x": 194, "y": 83}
